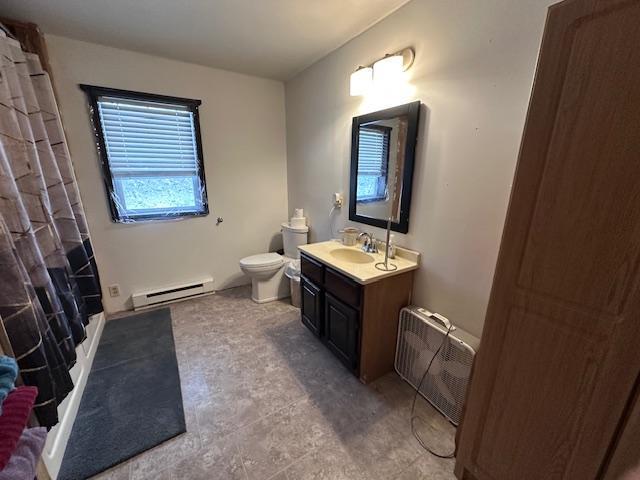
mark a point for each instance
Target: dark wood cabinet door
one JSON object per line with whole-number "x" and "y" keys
{"x": 311, "y": 306}
{"x": 341, "y": 330}
{"x": 559, "y": 357}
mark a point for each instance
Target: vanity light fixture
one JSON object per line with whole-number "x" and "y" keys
{"x": 361, "y": 81}
{"x": 383, "y": 72}
{"x": 388, "y": 69}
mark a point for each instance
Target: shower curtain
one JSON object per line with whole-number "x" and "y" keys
{"x": 49, "y": 285}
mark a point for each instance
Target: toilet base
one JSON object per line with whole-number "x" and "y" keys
{"x": 267, "y": 300}
{"x": 270, "y": 289}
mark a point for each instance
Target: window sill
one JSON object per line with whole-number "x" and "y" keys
{"x": 155, "y": 217}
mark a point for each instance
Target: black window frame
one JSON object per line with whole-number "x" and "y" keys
{"x": 93, "y": 93}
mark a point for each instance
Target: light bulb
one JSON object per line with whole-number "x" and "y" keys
{"x": 388, "y": 70}
{"x": 361, "y": 80}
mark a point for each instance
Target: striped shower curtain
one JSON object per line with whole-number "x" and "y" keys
{"x": 49, "y": 285}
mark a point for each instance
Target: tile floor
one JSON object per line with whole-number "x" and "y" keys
{"x": 264, "y": 399}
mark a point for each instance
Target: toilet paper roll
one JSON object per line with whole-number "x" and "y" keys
{"x": 298, "y": 222}
{"x": 298, "y": 213}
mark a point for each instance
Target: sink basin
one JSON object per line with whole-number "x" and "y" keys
{"x": 351, "y": 256}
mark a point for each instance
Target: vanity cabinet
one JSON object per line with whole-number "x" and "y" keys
{"x": 357, "y": 323}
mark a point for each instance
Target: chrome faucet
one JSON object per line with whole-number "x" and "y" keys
{"x": 369, "y": 245}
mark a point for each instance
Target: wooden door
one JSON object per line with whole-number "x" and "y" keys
{"x": 341, "y": 330}
{"x": 311, "y": 308}
{"x": 560, "y": 350}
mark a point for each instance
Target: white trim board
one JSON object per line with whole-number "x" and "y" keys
{"x": 59, "y": 435}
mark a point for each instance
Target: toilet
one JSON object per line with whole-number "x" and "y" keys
{"x": 266, "y": 270}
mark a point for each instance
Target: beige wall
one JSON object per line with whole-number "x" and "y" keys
{"x": 243, "y": 138}
{"x": 474, "y": 68}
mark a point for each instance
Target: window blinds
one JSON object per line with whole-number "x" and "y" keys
{"x": 148, "y": 138}
{"x": 373, "y": 151}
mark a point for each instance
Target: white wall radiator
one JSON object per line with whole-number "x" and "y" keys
{"x": 420, "y": 334}
{"x": 171, "y": 294}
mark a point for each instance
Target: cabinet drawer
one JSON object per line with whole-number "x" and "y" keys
{"x": 343, "y": 288}
{"x": 312, "y": 269}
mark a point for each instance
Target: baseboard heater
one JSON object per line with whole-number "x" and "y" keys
{"x": 171, "y": 294}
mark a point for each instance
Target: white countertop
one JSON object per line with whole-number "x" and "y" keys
{"x": 363, "y": 273}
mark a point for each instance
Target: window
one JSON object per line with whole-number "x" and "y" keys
{"x": 373, "y": 163}
{"x": 151, "y": 153}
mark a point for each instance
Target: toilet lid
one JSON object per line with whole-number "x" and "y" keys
{"x": 291, "y": 228}
{"x": 262, "y": 260}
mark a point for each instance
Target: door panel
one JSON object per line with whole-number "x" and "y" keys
{"x": 341, "y": 330}
{"x": 578, "y": 213}
{"x": 546, "y": 402}
{"x": 311, "y": 308}
{"x": 559, "y": 357}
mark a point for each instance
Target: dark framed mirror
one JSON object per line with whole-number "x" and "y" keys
{"x": 383, "y": 148}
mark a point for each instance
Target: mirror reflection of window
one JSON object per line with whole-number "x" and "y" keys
{"x": 381, "y": 146}
{"x": 373, "y": 163}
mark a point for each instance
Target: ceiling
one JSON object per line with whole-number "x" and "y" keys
{"x": 268, "y": 38}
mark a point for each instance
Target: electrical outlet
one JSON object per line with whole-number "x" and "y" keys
{"x": 114, "y": 290}
{"x": 337, "y": 200}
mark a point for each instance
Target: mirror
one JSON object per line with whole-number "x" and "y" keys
{"x": 383, "y": 146}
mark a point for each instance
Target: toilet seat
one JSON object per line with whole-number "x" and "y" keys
{"x": 262, "y": 261}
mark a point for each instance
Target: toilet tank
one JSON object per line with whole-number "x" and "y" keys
{"x": 292, "y": 237}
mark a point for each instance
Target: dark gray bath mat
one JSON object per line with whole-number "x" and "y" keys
{"x": 132, "y": 400}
